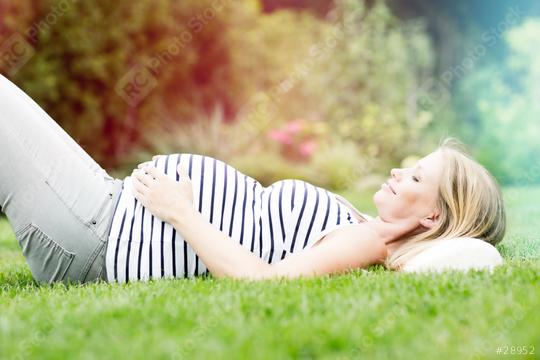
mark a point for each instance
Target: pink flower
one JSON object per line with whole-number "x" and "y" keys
{"x": 281, "y": 136}
{"x": 307, "y": 148}
{"x": 295, "y": 126}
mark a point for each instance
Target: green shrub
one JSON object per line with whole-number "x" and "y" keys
{"x": 353, "y": 74}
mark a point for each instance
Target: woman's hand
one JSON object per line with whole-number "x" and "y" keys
{"x": 393, "y": 231}
{"x": 161, "y": 195}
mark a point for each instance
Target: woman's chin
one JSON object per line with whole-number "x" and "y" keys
{"x": 377, "y": 198}
{"x": 380, "y": 201}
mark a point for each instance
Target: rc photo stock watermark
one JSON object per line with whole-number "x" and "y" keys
{"x": 18, "y": 49}
{"x": 435, "y": 93}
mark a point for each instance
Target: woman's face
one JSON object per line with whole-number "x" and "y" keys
{"x": 411, "y": 192}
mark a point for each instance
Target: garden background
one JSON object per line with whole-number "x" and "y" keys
{"x": 330, "y": 92}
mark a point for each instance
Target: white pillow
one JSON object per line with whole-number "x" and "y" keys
{"x": 461, "y": 253}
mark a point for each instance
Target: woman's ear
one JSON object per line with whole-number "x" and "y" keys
{"x": 430, "y": 221}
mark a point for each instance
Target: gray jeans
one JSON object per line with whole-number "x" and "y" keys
{"x": 58, "y": 200}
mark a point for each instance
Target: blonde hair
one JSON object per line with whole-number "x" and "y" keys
{"x": 469, "y": 201}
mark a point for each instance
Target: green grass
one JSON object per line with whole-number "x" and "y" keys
{"x": 368, "y": 314}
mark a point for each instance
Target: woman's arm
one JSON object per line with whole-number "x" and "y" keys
{"x": 346, "y": 248}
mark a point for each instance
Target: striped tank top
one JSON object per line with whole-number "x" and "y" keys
{"x": 272, "y": 222}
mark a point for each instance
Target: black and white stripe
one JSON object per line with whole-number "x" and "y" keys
{"x": 286, "y": 217}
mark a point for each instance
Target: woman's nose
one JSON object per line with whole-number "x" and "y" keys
{"x": 395, "y": 173}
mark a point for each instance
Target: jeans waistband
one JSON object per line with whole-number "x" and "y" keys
{"x": 117, "y": 187}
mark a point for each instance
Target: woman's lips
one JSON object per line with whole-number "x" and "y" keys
{"x": 389, "y": 187}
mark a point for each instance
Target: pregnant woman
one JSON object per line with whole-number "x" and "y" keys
{"x": 185, "y": 215}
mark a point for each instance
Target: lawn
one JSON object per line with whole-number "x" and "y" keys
{"x": 368, "y": 314}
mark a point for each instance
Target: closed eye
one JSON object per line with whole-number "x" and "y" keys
{"x": 415, "y": 179}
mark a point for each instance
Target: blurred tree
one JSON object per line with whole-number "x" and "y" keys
{"x": 116, "y": 74}
{"x": 354, "y": 73}
{"x": 499, "y": 109}
{"x": 91, "y": 46}
{"x": 475, "y": 93}
{"x": 318, "y": 7}
{"x": 368, "y": 68}
{"x": 455, "y": 27}
{"x": 196, "y": 56}
{"x": 15, "y": 17}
